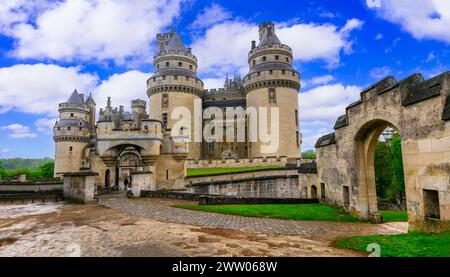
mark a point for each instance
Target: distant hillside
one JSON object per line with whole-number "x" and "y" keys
{"x": 22, "y": 163}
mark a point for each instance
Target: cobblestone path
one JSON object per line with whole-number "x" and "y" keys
{"x": 327, "y": 230}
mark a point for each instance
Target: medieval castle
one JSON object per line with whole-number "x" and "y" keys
{"x": 121, "y": 143}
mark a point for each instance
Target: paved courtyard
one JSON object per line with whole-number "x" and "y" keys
{"x": 160, "y": 210}
{"x": 118, "y": 226}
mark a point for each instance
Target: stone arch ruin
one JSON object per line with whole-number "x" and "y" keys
{"x": 420, "y": 111}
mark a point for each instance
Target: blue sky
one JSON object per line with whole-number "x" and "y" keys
{"x": 48, "y": 48}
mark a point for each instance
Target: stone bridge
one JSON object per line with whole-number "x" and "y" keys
{"x": 420, "y": 111}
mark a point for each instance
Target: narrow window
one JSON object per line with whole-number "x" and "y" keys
{"x": 272, "y": 96}
{"x": 254, "y": 62}
{"x": 346, "y": 192}
{"x": 157, "y": 66}
{"x": 322, "y": 191}
{"x": 259, "y": 73}
{"x": 270, "y": 72}
{"x": 296, "y": 117}
{"x": 277, "y": 57}
{"x": 287, "y": 59}
{"x": 165, "y": 118}
{"x": 167, "y": 174}
{"x": 180, "y": 64}
{"x": 175, "y": 77}
{"x": 283, "y": 71}
{"x": 163, "y": 77}
{"x": 70, "y": 149}
{"x": 165, "y": 100}
{"x": 167, "y": 64}
{"x": 190, "y": 66}
{"x": 69, "y": 128}
{"x": 264, "y": 58}
{"x": 431, "y": 203}
{"x": 71, "y": 115}
{"x": 298, "y": 138}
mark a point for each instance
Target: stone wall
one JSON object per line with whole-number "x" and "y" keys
{"x": 222, "y": 163}
{"x": 265, "y": 184}
{"x": 420, "y": 111}
{"x": 80, "y": 186}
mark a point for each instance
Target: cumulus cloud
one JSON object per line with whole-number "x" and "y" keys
{"x": 423, "y": 19}
{"x": 85, "y": 29}
{"x": 45, "y": 125}
{"x": 209, "y": 16}
{"x": 224, "y": 46}
{"x": 319, "y": 80}
{"x": 380, "y": 72}
{"x": 122, "y": 88}
{"x": 18, "y": 131}
{"x": 320, "y": 107}
{"x": 39, "y": 88}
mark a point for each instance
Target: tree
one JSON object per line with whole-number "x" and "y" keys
{"x": 46, "y": 170}
{"x": 383, "y": 168}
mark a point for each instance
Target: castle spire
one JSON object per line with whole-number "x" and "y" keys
{"x": 75, "y": 98}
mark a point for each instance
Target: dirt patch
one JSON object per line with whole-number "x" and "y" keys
{"x": 7, "y": 241}
{"x": 204, "y": 239}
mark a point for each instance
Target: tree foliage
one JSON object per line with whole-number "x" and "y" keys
{"x": 44, "y": 171}
{"x": 388, "y": 164}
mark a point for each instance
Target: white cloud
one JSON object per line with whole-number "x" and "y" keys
{"x": 209, "y": 16}
{"x": 225, "y": 46}
{"x": 379, "y": 36}
{"x": 122, "y": 88}
{"x": 210, "y": 83}
{"x": 45, "y": 125}
{"x": 4, "y": 150}
{"x": 320, "y": 107}
{"x": 380, "y": 72}
{"x": 18, "y": 131}
{"x": 423, "y": 19}
{"x": 38, "y": 88}
{"x": 319, "y": 80}
{"x": 86, "y": 29}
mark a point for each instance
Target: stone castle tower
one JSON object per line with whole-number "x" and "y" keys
{"x": 175, "y": 84}
{"x": 273, "y": 82}
{"x": 72, "y": 132}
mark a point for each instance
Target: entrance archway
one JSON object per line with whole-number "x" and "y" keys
{"x": 313, "y": 192}
{"x": 366, "y": 140}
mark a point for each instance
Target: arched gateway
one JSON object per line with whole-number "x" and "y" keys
{"x": 419, "y": 110}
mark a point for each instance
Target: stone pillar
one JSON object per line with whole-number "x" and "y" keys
{"x": 142, "y": 180}
{"x": 80, "y": 186}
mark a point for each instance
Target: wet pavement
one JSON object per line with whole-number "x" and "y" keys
{"x": 153, "y": 228}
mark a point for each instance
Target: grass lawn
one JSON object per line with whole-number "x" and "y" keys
{"x": 394, "y": 216}
{"x": 283, "y": 211}
{"x": 406, "y": 245}
{"x": 202, "y": 171}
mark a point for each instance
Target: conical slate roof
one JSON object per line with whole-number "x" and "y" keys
{"x": 75, "y": 98}
{"x": 90, "y": 100}
{"x": 175, "y": 43}
{"x": 269, "y": 37}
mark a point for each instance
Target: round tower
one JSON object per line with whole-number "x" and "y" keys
{"x": 175, "y": 84}
{"x": 272, "y": 82}
{"x": 71, "y": 134}
{"x": 138, "y": 111}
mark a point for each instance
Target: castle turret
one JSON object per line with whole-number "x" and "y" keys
{"x": 71, "y": 134}
{"x": 138, "y": 111}
{"x": 174, "y": 84}
{"x": 272, "y": 82}
{"x": 91, "y": 105}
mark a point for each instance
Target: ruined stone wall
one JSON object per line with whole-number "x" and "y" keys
{"x": 280, "y": 183}
{"x": 417, "y": 109}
